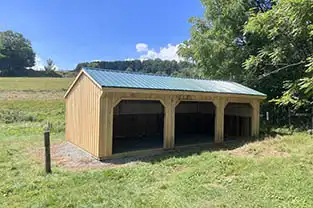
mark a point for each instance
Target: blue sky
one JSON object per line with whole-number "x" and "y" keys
{"x": 72, "y": 31}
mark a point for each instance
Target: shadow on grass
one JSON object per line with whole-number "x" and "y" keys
{"x": 154, "y": 156}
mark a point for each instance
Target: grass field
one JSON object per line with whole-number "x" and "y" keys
{"x": 275, "y": 172}
{"x": 34, "y": 84}
{"x": 27, "y": 104}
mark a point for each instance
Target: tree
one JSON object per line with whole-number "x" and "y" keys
{"x": 16, "y": 54}
{"x": 217, "y": 43}
{"x": 50, "y": 66}
{"x": 283, "y": 59}
{"x": 129, "y": 69}
{"x": 80, "y": 66}
{"x": 188, "y": 73}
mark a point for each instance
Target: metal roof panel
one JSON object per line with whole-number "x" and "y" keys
{"x": 110, "y": 78}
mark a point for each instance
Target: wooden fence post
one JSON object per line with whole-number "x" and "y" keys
{"x": 47, "y": 151}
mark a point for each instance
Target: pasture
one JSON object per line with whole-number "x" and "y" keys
{"x": 272, "y": 172}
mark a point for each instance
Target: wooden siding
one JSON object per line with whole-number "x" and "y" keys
{"x": 83, "y": 114}
{"x": 111, "y": 98}
{"x": 90, "y": 110}
{"x": 106, "y": 125}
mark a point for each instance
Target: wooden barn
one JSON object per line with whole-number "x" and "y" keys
{"x": 110, "y": 112}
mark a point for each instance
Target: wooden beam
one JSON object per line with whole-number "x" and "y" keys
{"x": 220, "y": 104}
{"x": 183, "y": 95}
{"x": 255, "y": 119}
{"x": 169, "y": 122}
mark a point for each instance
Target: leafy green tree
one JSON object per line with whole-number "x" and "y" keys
{"x": 263, "y": 44}
{"x": 129, "y": 69}
{"x": 282, "y": 60}
{"x": 2, "y": 56}
{"x": 217, "y": 43}
{"x": 50, "y": 66}
{"x": 188, "y": 73}
{"x": 16, "y": 54}
{"x": 80, "y": 66}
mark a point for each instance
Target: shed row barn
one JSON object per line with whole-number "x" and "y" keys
{"x": 110, "y": 112}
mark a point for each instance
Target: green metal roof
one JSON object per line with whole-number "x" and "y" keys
{"x": 117, "y": 79}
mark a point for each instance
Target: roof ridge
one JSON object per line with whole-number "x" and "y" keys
{"x": 157, "y": 75}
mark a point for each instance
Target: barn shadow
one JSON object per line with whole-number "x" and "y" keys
{"x": 154, "y": 157}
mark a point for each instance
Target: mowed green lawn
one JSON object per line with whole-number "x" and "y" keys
{"x": 276, "y": 172}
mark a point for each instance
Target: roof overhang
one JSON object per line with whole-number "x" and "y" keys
{"x": 176, "y": 92}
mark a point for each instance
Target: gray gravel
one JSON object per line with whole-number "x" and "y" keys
{"x": 72, "y": 157}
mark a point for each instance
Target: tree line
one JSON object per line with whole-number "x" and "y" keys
{"x": 156, "y": 66}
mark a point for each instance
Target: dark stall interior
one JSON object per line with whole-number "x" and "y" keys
{"x": 138, "y": 125}
{"x": 237, "y": 121}
{"x": 194, "y": 123}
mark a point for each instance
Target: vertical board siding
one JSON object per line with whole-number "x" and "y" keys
{"x": 82, "y": 115}
{"x": 106, "y": 125}
{"x": 89, "y": 114}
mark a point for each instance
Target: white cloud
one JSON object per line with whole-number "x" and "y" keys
{"x": 39, "y": 64}
{"x": 57, "y": 68}
{"x": 141, "y": 47}
{"x": 166, "y": 53}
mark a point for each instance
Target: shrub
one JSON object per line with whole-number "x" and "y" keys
{"x": 12, "y": 116}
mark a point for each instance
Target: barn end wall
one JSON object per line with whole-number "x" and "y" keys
{"x": 82, "y": 115}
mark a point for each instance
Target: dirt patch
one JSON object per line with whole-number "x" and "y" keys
{"x": 70, "y": 157}
{"x": 259, "y": 149}
{"x": 255, "y": 153}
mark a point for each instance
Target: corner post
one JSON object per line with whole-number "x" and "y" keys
{"x": 220, "y": 104}
{"x": 106, "y": 122}
{"x": 255, "y": 119}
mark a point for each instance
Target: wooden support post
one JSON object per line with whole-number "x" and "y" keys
{"x": 220, "y": 104}
{"x": 255, "y": 119}
{"x": 47, "y": 151}
{"x": 106, "y": 130}
{"x": 169, "y": 123}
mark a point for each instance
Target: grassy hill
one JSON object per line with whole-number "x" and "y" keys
{"x": 274, "y": 172}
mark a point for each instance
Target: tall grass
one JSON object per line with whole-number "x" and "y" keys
{"x": 28, "y": 117}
